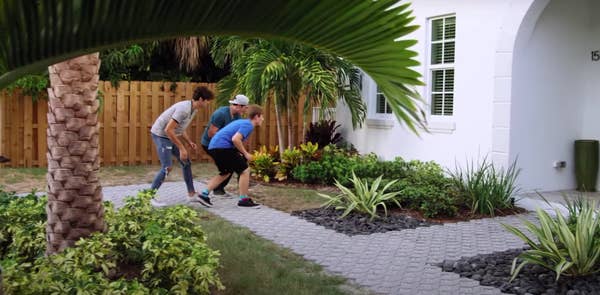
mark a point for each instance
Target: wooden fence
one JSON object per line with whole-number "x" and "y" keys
{"x": 126, "y": 116}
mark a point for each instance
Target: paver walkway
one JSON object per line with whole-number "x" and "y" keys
{"x": 399, "y": 262}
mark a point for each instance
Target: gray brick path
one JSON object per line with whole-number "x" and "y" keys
{"x": 399, "y": 262}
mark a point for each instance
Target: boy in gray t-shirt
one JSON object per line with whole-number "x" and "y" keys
{"x": 167, "y": 132}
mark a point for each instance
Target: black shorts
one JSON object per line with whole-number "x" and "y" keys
{"x": 229, "y": 161}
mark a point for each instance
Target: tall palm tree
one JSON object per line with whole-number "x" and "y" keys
{"x": 37, "y": 33}
{"x": 283, "y": 71}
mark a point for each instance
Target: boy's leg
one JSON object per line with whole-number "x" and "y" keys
{"x": 217, "y": 180}
{"x": 186, "y": 168}
{"x": 220, "y": 188}
{"x": 244, "y": 182}
{"x": 244, "y": 172}
{"x": 163, "y": 149}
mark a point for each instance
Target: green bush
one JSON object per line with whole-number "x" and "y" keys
{"x": 424, "y": 187}
{"x": 568, "y": 246}
{"x": 290, "y": 158}
{"x": 362, "y": 197}
{"x": 22, "y": 226}
{"x": 143, "y": 249}
{"x": 264, "y": 164}
{"x": 486, "y": 187}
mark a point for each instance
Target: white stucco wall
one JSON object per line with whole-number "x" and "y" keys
{"x": 478, "y": 24}
{"x": 550, "y": 105}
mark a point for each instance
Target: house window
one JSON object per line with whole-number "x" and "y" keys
{"x": 441, "y": 65}
{"x": 382, "y": 105}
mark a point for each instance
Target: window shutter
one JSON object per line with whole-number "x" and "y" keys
{"x": 443, "y": 51}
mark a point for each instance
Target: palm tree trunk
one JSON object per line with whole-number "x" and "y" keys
{"x": 74, "y": 207}
{"x": 288, "y": 114}
{"x": 278, "y": 120}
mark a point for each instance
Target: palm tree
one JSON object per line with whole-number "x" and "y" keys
{"x": 283, "y": 71}
{"x": 35, "y": 34}
{"x": 74, "y": 194}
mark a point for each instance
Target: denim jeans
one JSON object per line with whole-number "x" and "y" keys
{"x": 166, "y": 150}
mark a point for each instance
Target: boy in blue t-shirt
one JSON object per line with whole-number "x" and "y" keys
{"x": 219, "y": 119}
{"x": 230, "y": 155}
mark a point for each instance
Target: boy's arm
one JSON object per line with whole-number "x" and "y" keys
{"x": 170, "y": 131}
{"x": 237, "y": 140}
{"x": 189, "y": 141}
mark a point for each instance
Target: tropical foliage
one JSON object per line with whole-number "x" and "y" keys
{"x": 486, "y": 187}
{"x": 363, "y": 197}
{"x": 568, "y": 246}
{"x": 282, "y": 72}
{"x": 36, "y": 34}
{"x": 144, "y": 249}
{"x": 323, "y": 133}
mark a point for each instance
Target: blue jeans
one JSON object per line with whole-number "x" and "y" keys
{"x": 166, "y": 150}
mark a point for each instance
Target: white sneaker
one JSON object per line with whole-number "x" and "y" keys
{"x": 157, "y": 204}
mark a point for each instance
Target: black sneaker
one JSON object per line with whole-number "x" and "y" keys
{"x": 221, "y": 194}
{"x": 203, "y": 199}
{"x": 248, "y": 203}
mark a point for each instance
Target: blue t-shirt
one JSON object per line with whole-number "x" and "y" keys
{"x": 222, "y": 139}
{"x": 220, "y": 118}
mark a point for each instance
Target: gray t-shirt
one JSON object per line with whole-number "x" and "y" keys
{"x": 181, "y": 112}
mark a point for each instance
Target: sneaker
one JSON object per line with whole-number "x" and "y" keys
{"x": 157, "y": 204}
{"x": 248, "y": 203}
{"x": 221, "y": 194}
{"x": 202, "y": 199}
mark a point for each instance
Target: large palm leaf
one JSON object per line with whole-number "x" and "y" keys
{"x": 38, "y": 33}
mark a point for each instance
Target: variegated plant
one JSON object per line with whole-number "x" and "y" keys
{"x": 362, "y": 198}
{"x": 567, "y": 249}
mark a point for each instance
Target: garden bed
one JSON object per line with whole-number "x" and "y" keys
{"x": 359, "y": 224}
{"x": 494, "y": 270}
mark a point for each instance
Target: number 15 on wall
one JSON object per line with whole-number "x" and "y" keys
{"x": 596, "y": 55}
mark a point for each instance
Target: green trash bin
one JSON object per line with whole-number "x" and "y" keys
{"x": 586, "y": 164}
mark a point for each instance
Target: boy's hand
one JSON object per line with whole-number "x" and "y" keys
{"x": 249, "y": 157}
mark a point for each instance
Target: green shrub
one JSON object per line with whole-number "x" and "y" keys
{"x": 486, "y": 187}
{"x": 311, "y": 172}
{"x": 264, "y": 165}
{"x": 362, "y": 198}
{"x": 425, "y": 188}
{"x": 567, "y": 249}
{"x": 290, "y": 158}
{"x": 22, "y": 226}
{"x": 143, "y": 249}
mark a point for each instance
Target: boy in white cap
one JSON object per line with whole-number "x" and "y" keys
{"x": 219, "y": 119}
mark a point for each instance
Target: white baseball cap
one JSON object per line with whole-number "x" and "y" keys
{"x": 240, "y": 99}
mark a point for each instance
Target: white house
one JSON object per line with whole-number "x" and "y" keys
{"x": 505, "y": 78}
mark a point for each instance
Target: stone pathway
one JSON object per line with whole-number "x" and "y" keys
{"x": 399, "y": 262}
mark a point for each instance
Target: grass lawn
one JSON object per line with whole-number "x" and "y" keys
{"x": 284, "y": 198}
{"x": 252, "y": 265}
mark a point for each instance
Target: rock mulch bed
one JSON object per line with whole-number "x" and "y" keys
{"x": 494, "y": 270}
{"x": 359, "y": 224}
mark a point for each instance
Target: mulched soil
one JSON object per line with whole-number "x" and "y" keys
{"x": 494, "y": 270}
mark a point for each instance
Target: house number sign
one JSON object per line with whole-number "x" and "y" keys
{"x": 596, "y": 55}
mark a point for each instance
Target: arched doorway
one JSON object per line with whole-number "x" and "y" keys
{"x": 553, "y": 90}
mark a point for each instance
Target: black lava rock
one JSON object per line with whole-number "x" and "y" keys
{"x": 532, "y": 279}
{"x": 359, "y": 224}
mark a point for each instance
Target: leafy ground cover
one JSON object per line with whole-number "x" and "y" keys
{"x": 247, "y": 264}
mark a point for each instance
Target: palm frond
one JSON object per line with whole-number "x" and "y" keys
{"x": 38, "y": 33}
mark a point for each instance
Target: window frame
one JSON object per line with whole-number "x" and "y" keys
{"x": 443, "y": 66}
